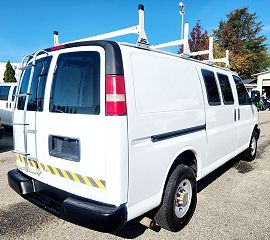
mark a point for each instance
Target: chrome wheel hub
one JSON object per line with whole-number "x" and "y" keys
{"x": 183, "y": 198}
{"x": 253, "y": 146}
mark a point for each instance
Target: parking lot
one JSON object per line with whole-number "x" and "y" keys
{"x": 233, "y": 203}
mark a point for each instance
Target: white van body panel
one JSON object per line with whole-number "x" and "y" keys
{"x": 221, "y": 127}
{"x": 247, "y": 119}
{"x": 159, "y": 102}
{"x": 227, "y": 134}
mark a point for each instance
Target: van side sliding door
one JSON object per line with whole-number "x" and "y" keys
{"x": 221, "y": 125}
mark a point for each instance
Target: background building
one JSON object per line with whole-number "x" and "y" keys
{"x": 263, "y": 82}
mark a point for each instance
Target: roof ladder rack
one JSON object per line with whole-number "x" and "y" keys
{"x": 184, "y": 42}
{"x": 186, "y": 49}
{"x": 26, "y": 95}
{"x": 211, "y": 58}
{"x": 137, "y": 29}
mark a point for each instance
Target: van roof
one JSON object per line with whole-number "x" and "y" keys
{"x": 114, "y": 64}
{"x": 179, "y": 56}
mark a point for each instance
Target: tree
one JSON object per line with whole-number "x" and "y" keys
{"x": 240, "y": 33}
{"x": 9, "y": 75}
{"x": 198, "y": 41}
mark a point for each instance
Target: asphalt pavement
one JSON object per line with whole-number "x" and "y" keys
{"x": 233, "y": 203}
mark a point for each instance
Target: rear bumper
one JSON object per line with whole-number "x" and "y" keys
{"x": 84, "y": 212}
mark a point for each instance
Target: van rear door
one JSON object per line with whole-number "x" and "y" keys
{"x": 72, "y": 135}
{"x": 78, "y": 147}
{"x": 65, "y": 133}
{"x": 25, "y": 121}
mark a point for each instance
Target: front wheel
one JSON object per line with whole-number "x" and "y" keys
{"x": 250, "y": 153}
{"x": 179, "y": 200}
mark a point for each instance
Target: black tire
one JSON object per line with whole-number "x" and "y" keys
{"x": 165, "y": 216}
{"x": 250, "y": 153}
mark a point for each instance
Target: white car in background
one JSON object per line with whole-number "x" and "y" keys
{"x": 7, "y": 95}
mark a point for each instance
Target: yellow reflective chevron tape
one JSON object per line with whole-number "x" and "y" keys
{"x": 21, "y": 158}
{"x": 33, "y": 163}
{"x": 55, "y": 171}
{"x": 86, "y": 180}
{"x": 76, "y": 179}
{"x": 40, "y": 166}
{"x": 99, "y": 183}
{"x": 64, "y": 173}
{"x": 92, "y": 182}
{"x": 47, "y": 169}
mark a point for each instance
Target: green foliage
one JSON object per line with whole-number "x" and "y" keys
{"x": 199, "y": 41}
{"x": 240, "y": 33}
{"x": 9, "y": 75}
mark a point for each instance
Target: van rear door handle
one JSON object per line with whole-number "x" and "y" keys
{"x": 235, "y": 115}
{"x": 7, "y": 105}
{"x": 238, "y": 114}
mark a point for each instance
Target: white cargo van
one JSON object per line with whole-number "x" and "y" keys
{"x": 106, "y": 131}
{"x": 7, "y": 95}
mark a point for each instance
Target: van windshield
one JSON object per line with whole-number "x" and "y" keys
{"x": 37, "y": 90}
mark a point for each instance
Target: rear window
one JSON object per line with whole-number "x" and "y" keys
{"x": 211, "y": 87}
{"x": 76, "y": 84}
{"x": 4, "y": 90}
{"x": 37, "y": 90}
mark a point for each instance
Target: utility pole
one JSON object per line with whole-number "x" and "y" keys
{"x": 55, "y": 38}
{"x": 182, "y": 12}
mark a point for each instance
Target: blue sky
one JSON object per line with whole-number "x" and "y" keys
{"x": 27, "y": 26}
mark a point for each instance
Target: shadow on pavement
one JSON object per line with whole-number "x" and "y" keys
{"x": 131, "y": 230}
{"x": 213, "y": 176}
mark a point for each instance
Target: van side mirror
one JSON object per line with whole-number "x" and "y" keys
{"x": 255, "y": 96}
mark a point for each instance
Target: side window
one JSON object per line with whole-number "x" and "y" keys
{"x": 243, "y": 96}
{"x": 211, "y": 87}
{"x": 37, "y": 90}
{"x": 76, "y": 84}
{"x": 4, "y": 90}
{"x": 226, "y": 89}
{"x": 14, "y": 92}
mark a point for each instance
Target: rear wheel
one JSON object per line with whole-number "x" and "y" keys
{"x": 250, "y": 153}
{"x": 179, "y": 200}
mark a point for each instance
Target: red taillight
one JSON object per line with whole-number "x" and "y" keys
{"x": 115, "y": 95}
{"x": 57, "y": 47}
